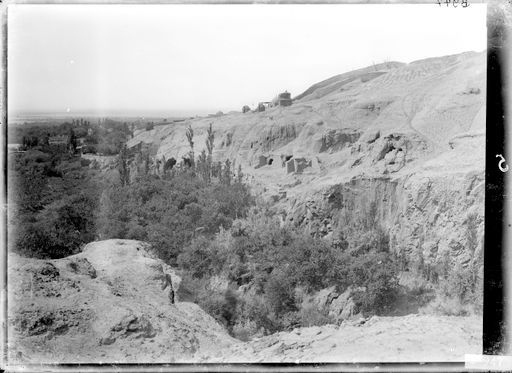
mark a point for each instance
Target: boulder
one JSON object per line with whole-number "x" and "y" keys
{"x": 81, "y": 266}
{"x": 338, "y": 306}
{"x": 129, "y": 325}
{"x": 324, "y": 297}
{"x": 370, "y": 136}
{"x": 343, "y": 306}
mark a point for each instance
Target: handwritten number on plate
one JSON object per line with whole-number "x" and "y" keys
{"x": 500, "y": 163}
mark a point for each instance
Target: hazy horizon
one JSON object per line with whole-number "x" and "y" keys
{"x": 133, "y": 113}
{"x": 106, "y": 60}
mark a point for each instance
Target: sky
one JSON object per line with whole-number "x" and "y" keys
{"x": 205, "y": 58}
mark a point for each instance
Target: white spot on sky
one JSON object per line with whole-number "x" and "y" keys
{"x": 68, "y": 110}
{"x": 72, "y": 62}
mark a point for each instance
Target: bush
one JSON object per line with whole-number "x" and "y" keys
{"x": 459, "y": 293}
{"x": 60, "y": 229}
{"x": 253, "y": 307}
{"x": 378, "y": 274}
{"x": 272, "y": 262}
{"x": 172, "y": 212}
{"x": 136, "y": 232}
{"x": 246, "y": 330}
{"x": 32, "y": 241}
{"x": 280, "y": 293}
{"x": 191, "y": 288}
{"x": 197, "y": 258}
{"x": 53, "y": 199}
{"x": 310, "y": 315}
{"x": 221, "y": 305}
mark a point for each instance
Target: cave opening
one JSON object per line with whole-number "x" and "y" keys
{"x": 170, "y": 163}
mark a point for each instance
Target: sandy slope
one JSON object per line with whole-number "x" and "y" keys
{"x": 412, "y": 338}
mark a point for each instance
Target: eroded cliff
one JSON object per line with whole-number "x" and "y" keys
{"x": 407, "y": 140}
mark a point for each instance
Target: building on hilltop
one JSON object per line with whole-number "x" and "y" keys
{"x": 282, "y": 99}
{"x": 262, "y": 106}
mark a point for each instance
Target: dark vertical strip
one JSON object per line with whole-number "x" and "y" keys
{"x": 4, "y": 142}
{"x": 494, "y": 337}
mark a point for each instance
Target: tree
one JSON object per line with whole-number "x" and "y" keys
{"x": 122, "y": 165}
{"x": 226, "y": 173}
{"x": 146, "y": 162}
{"x": 202, "y": 167}
{"x": 190, "y": 138}
{"x": 72, "y": 143}
{"x": 209, "y": 146}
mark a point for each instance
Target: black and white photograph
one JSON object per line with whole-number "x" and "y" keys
{"x": 245, "y": 183}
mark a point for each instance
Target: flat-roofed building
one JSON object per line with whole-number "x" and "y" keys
{"x": 282, "y": 99}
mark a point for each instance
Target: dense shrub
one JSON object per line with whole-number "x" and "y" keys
{"x": 280, "y": 293}
{"x": 52, "y": 203}
{"x": 198, "y": 257}
{"x": 272, "y": 262}
{"x": 222, "y": 305}
{"x": 310, "y": 315}
{"x": 379, "y": 275}
{"x": 170, "y": 212}
{"x": 458, "y": 293}
{"x": 32, "y": 240}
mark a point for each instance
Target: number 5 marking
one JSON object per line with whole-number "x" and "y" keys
{"x": 502, "y": 169}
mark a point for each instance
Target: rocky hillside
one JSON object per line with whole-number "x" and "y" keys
{"x": 406, "y": 141}
{"x": 402, "y": 144}
{"x": 103, "y": 305}
{"x": 106, "y": 305}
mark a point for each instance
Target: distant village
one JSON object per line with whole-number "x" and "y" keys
{"x": 78, "y": 136}
{"x": 106, "y": 136}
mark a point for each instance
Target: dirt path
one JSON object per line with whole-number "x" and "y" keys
{"x": 413, "y": 338}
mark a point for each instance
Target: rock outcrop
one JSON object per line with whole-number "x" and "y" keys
{"x": 338, "y": 306}
{"x": 104, "y": 305}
